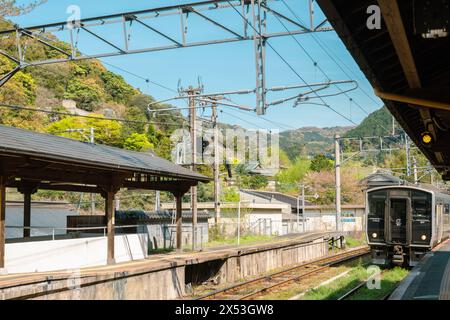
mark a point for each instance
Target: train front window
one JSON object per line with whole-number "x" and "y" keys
{"x": 375, "y": 218}
{"x": 421, "y": 205}
{"x": 421, "y": 217}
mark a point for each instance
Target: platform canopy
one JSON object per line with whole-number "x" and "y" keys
{"x": 406, "y": 60}
{"x": 58, "y": 163}
{"x": 30, "y": 161}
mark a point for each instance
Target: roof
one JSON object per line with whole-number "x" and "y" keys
{"x": 15, "y": 141}
{"x": 269, "y": 195}
{"x": 421, "y": 71}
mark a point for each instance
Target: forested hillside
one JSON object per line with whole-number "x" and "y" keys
{"x": 378, "y": 123}
{"x": 94, "y": 89}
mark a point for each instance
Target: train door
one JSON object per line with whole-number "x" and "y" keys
{"x": 399, "y": 209}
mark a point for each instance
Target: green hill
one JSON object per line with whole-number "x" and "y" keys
{"x": 378, "y": 123}
{"x": 309, "y": 141}
{"x": 93, "y": 89}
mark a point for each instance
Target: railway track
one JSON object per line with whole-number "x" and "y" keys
{"x": 362, "y": 284}
{"x": 261, "y": 286}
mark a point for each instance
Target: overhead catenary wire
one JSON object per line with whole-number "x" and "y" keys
{"x": 289, "y": 65}
{"x": 316, "y": 64}
{"x": 329, "y": 52}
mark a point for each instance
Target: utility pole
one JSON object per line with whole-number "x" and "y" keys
{"x": 393, "y": 126}
{"x": 191, "y": 92}
{"x": 92, "y": 140}
{"x": 407, "y": 150}
{"x": 303, "y": 208}
{"x": 337, "y": 169}
{"x": 298, "y": 212}
{"x": 216, "y": 164}
{"x": 158, "y": 200}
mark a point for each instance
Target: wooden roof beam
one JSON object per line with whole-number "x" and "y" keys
{"x": 394, "y": 23}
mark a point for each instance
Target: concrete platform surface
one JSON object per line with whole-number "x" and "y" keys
{"x": 430, "y": 279}
{"x": 161, "y": 261}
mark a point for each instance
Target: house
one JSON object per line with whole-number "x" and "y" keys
{"x": 316, "y": 217}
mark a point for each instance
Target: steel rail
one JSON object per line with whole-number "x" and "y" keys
{"x": 318, "y": 265}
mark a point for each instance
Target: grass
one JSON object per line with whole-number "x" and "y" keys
{"x": 354, "y": 242}
{"x": 389, "y": 280}
{"x": 334, "y": 290}
{"x": 314, "y": 281}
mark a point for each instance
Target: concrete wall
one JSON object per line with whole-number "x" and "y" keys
{"x": 166, "y": 279}
{"x": 352, "y": 219}
{"x": 38, "y": 256}
{"x": 238, "y": 267}
{"x": 160, "y": 285}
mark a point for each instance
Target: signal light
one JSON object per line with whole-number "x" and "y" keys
{"x": 427, "y": 138}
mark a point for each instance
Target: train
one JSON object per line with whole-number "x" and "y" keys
{"x": 404, "y": 222}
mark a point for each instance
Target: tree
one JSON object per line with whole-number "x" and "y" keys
{"x": 321, "y": 163}
{"x": 323, "y": 183}
{"x": 288, "y": 179}
{"x": 138, "y": 142}
{"x": 105, "y": 131}
{"x": 84, "y": 92}
{"x": 254, "y": 182}
{"x": 117, "y": 88}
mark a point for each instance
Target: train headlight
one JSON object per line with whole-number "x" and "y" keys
{"x": 423, "y": 237}
{"x": 374, "y": 235}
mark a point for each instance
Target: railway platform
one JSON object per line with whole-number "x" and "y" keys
{"x": 430, "y": 279}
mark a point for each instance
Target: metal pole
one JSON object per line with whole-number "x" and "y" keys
{"x": 158, "y": 200}
{"x": 192, "y": 118}
{"x": 415, "y": 170}
{"x": 92, "y": 140}
{"x": 216, "y": 165}
{"x": 408, "y": 169}
{"x": 337, "y": 166}
{"x": 303, "y": 208}
{"x": 239, "y": 223}
{"x": 393, "y": 125}
{"x": 2, "y": 220}
{"x": 298, "y": 212}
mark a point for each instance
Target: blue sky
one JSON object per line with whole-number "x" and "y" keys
{"x": 225, "y": 67}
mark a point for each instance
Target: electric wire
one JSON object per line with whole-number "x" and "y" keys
{"x": 16, "y": 107}
{"x": 316, "y": 64}
{"x": 330, "y": 53}
{"x": 290, "y": 66}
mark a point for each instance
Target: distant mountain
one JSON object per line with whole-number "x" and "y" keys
{"x": 308, "y": 141}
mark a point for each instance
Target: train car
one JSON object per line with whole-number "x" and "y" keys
{"x": 404, "y": 222}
